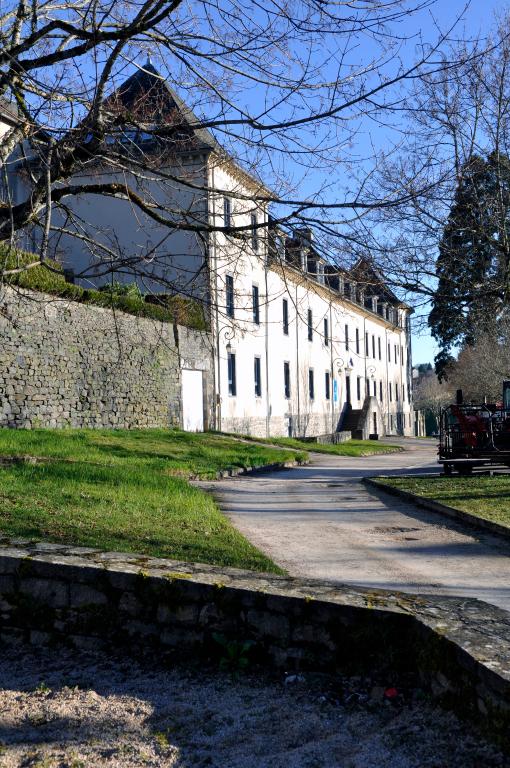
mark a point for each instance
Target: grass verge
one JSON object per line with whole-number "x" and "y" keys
{"x": 127, "y": 491}
{"x": 484, "y": 497}
{"x": 350, "y": 448}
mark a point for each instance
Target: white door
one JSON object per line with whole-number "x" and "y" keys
{"x": 192, "y": 401}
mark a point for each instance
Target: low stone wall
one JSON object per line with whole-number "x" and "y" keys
{"x": 459, "y": 648}
{"x": 64, "y": 364}
{"x": 332, "y": 438}
{"x": 309, "y": 425}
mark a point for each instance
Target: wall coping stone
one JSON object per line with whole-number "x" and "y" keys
{"x": 458, "y": 647}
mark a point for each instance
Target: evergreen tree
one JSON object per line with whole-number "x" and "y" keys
{"x": 474, "y": 257}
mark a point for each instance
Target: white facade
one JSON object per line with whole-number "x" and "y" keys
{"x": 272, "y": 396}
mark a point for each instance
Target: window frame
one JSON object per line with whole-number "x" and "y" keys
{"x": 310, "y": 324}
{"x": 255, "y": 241}
{"x": 286, "y": 380}
{"x": 257, "y": 375}
{"x": 227, "y": 211}
{"x": 311, "y": 384}
{"x": 255, "y": 300}
{"x": 229, "y": 296}
{"x": 327, "y": 385}
{"x": 232, "y": 374}
{"x": 285, "y": 316}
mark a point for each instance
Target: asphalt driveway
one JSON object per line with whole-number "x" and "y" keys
{"x": 321, "y": 521}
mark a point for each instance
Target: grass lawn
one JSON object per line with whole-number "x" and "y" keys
{"x": 127, "y": 491}
{"x": 350, "y": 448}
{"x": 486, "y": 497}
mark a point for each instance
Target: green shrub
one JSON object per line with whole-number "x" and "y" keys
{"x": 49, "y": 277}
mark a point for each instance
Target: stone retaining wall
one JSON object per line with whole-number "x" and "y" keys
{"x": 64, "y": 364}
{"x": 459, "y": 648}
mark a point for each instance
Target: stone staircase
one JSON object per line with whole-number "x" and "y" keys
{"x": 350, "y": 421}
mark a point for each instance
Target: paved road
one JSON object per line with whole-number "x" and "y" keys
{"x": 321, "y": 521}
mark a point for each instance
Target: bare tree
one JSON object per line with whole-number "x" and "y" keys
{"x": 432, "y": 395}
{"x": 458, "y": 114}
{"x": 481, "y": 369}
{"x": 274, "y": 84}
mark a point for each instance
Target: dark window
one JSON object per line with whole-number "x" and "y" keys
{"x": 367, "y": 387}
{"x": 326, "y": 385}
{"x": 232, "y": 386}
{"x": 286, "y": 379}
{"x": 229, "y": 288}
{"x": 396, "y": 392}
{"x": 380, "y": 391}
{"x": 402, "y": 355}
{"x": 366, "y": 344}
{"x": 254, "y": 233}
{"x": 227, "y": 211}
{"x": 373, "y": 347}
{"x": 403, "y": 393}
{"x": 285, "y": 307}
{"x": 379, "y": 346}
{"x": 389, "y": 390}
{"x": 357, "y": 341}
{"x": 395, "y": 352}
{"x": 389, "y": 352}
{"x": 257, "y": 377}
{"x": 375, "y": 389}
{"x": 348, "y": 389}
{"x": 326, "y": 331}
{"x": 346, "y": 337}
{"x": 358, "y": 387}
{"x": 310, "y": 325}
{"x": 311, "y": 384}
{"x": 255, "y": 298}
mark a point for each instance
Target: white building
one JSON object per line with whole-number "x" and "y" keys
{"x": 298, "y": 346}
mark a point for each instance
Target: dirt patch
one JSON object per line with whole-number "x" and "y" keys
{"x": 64, "y": 709}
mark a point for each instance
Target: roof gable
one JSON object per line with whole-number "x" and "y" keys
{"x": 147, "y": 101}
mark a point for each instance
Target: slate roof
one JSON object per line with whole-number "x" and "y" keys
{"x": 146, "y": 99}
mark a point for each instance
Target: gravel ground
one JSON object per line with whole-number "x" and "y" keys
{"x": 64, "y": 709}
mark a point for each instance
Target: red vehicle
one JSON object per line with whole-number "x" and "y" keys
{"x": 472, "y": 435}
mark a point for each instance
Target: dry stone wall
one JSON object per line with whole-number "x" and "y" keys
{"x": 64, "y": 364}
{"x": 457, "y": 647}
